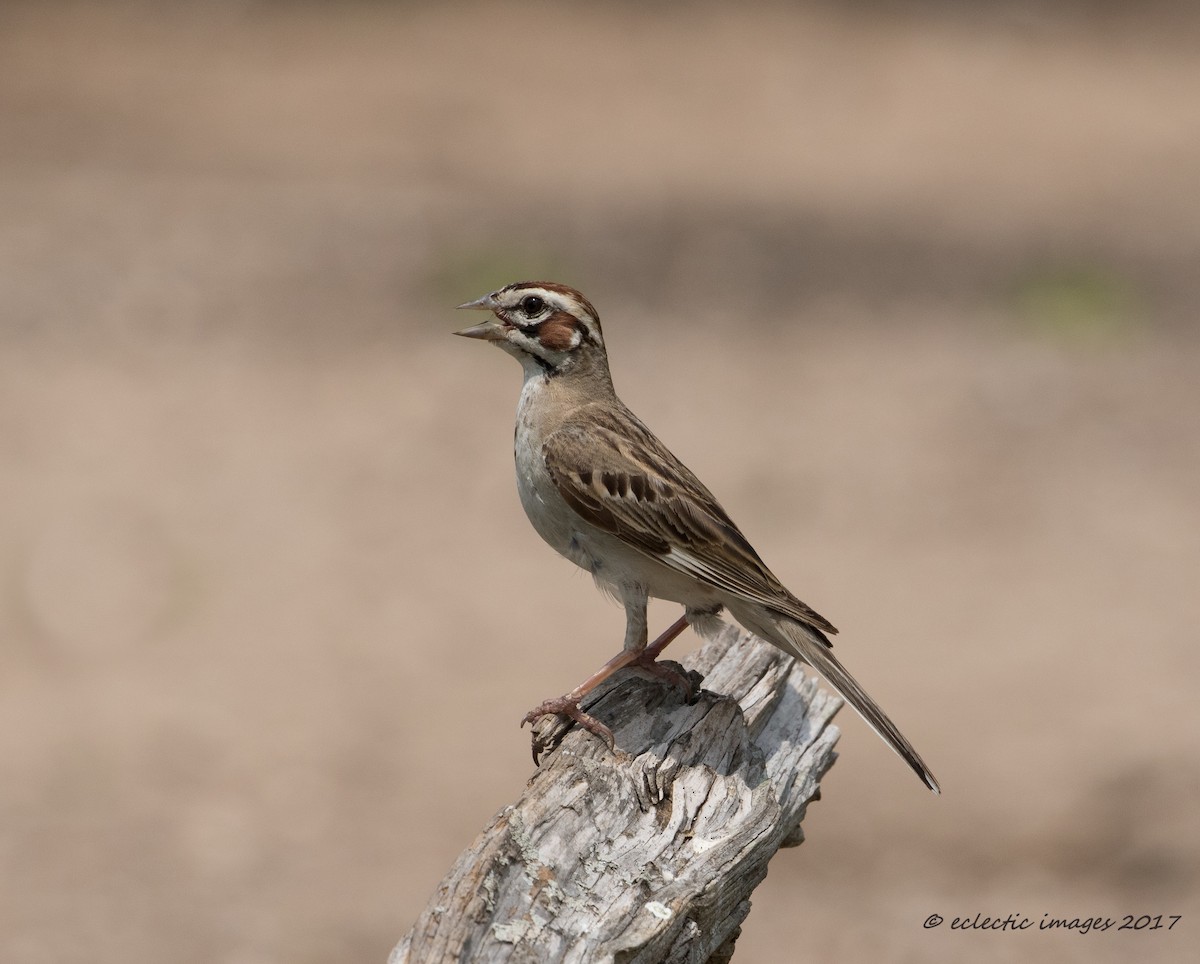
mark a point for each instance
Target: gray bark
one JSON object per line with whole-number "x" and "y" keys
{"x": 648, "y": 855}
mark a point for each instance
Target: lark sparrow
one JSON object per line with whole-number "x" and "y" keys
{"x": 607, "y": 494}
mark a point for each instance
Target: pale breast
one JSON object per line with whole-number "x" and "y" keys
{"x": 547, "y": 511}
{"x": 612, "y": 561}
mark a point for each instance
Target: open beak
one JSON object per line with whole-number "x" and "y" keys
{"x": 490, "y": 330}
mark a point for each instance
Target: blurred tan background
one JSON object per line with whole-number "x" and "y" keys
{"x": 912, "y": 286}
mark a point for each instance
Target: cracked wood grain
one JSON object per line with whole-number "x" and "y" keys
{"x": 651, "y": 854}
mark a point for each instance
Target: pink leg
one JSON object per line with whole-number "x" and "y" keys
{"x": 568, "y": 704}
{"x": 651, "y": 652}
{"x": 646, "y": 659}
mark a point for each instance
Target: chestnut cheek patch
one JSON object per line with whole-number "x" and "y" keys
{"x": 559, "y": 332}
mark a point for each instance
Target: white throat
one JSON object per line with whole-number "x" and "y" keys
{"x": 535, "y": 380}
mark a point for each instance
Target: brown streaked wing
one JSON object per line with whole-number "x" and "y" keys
{"x": 618, "y": 476}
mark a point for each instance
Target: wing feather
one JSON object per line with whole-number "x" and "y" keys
{"x": 618, "y": 476}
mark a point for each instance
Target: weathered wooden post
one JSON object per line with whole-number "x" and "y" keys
{"x": 648, "y": 855}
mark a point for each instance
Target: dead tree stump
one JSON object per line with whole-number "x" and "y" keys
{"x": 648, "y": 855}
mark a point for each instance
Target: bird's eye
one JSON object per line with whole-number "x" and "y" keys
{"x": 532, "y": 305}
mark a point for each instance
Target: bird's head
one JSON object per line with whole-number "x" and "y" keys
{"x": 548, "y": 327}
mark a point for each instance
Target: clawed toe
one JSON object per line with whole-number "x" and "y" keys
{"x": 681, "y": 681}
{"x": 563, "y": 706}
{"x": 565, "y": 709}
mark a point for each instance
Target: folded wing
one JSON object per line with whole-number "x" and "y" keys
{"x": 623, "y": 480}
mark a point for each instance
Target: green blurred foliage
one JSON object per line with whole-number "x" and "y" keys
{"x": 1079, "y": 303}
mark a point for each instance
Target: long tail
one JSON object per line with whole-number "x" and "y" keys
{"x": 811, "y": 646}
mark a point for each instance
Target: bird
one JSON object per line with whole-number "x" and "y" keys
{"x": 604, "y": 492}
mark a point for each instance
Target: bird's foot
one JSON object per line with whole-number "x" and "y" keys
{"x": 563, "y": 706}
{"x": 681, "y": 681}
